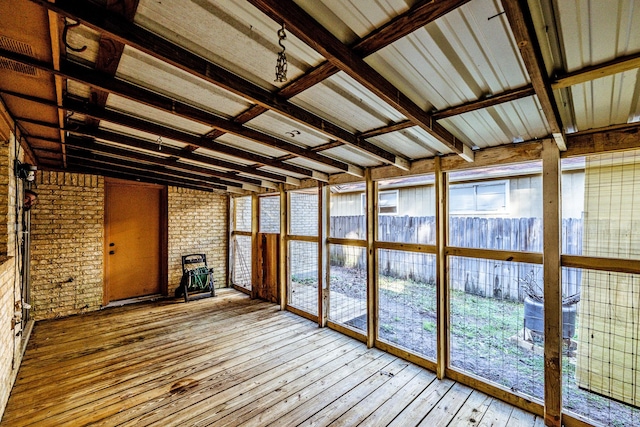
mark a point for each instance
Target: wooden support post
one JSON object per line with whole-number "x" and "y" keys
{"x": 442, "y": 288}
{"x": 283, "y": 261}
{"x": 372, "y": 274}
{"x": 552, "y": 273}
{"x": 255, "y": 224}
{"x": 323, "y": 256}
{"x": 230, "y": 221}
{"x": 324, "y": 244}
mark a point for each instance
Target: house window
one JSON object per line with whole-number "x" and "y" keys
{"x": 482, "y": 197}
{"x": 387, "y": 203}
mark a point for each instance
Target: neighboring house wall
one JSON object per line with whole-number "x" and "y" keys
{"x": 197, "y": 224}
{"x": 524, "y": 199}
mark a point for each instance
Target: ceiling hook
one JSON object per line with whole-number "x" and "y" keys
{"x": 67, "y": 25}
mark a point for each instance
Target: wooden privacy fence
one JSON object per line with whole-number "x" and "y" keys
{"x": 489, "y": 278}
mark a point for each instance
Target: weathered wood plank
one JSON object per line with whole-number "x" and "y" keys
{"x": 221, "y": 361}
{"x": 385, "y": 413}
{"x": 497, "y": 414}
{"x": 473, "y": 410}
{"x": 447, "y": 407}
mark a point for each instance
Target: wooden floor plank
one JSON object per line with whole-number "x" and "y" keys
{"x": 421, "y": 405}
{"x": 357, "y": 394}
{"x": 399, "y": 401}
{"x": 147, "y": 386}
{"x": 243, "y": 379}
{"x": 520, "y": 418}
{"x": 301, "y": 406}
{"x": 498, "y": 414}
{"x": 124, "y": 378}
{"x": 227, "y": 361}
{"x": 242, "y": 404}
{"x": 447, "y": 407}
{"x": 360, "y": 410}
{"x": 473, "y": 410}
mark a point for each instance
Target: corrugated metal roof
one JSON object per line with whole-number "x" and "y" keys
{"x": 151, "y": 73}
{"x": 287, "y": 129}
{"x": 516, "y": 121}
{"x": 153, "y": 114}
{"x": 469, "y": 54}
{"x": 234, "y": 35}
{"x": 250, "y": 146}
{"x": 347, "y": 103}
{"x": 591, "y": 33}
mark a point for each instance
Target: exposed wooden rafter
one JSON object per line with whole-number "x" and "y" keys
{"x": 110, "y": 51}
{"x": 519, "y": 17}
{"x": 110, "y": 84}
{"x": 320, "y": 39}
{"x": 609, "y": 68}
{"x": 126, "y": 32}
{"x": 159, "y": 170}
{"x": 89, "y": 144}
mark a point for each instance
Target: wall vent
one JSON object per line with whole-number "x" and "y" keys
{"x": 16, "y": 46}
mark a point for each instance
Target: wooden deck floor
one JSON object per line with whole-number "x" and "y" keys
{"x": 230, "y": 361}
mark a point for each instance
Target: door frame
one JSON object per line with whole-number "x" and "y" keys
{"x": 164, "y": 235}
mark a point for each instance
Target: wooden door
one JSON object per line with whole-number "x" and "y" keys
{"x": 133, "y": 220}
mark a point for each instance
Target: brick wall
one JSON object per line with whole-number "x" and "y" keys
{"x": 10, "y": 335}
{"x": 9, "y": 342}
{"x": 67, "y": 243}
{"x": 197, "y": 224}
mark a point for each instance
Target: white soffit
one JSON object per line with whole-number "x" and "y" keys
{"x": 515, "y": 121}
{"x": 153, "y": 114}
{"x": 232, "y": 34}
{"x": 137, "y": 67}
{"x": 460, "y": 57}
{"x": 284, "y": 128}
{"x": 347, "y": 103}
{"x": 250, "y": 146}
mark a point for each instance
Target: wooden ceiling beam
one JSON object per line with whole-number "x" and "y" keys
{"x": 173, "y": 106}
{"x": 126, "y": 32}
{"x": 159, "y": 170}
{"x": 107, "y": 83}
{"x": 140, "y": 143}
{"x": 88, "y": 143}
{"x": 489, "y": 101}
{"x": 418, "y": 16}
{"x": 521, "y": 24}
{"x": 188, "y": 138}
{"x": 609, "y": 68}
{"x": 110, "y": 51}
{"x": 393, "y": 127}
{"x": 611, "y": 138}
{"x": 307, "y": 29}
{"x": 78, "y": 166}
